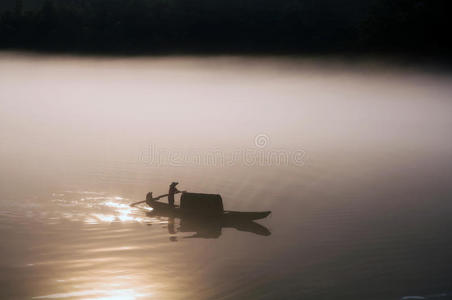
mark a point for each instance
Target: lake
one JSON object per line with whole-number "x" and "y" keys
{"x": 353, "y": 158}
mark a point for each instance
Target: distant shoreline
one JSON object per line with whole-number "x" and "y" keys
{"x": 405, "y": 29}
{"x": 431, "y": 63}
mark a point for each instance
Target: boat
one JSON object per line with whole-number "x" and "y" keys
{"x": 204, "y": 215}
{"x": 164, "y": 209}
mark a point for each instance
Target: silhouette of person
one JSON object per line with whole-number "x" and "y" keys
{"x": 172, "y": 190}
{"x": 149, "y": 198}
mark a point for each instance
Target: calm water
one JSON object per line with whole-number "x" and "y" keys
{"x": 353, "y": 159}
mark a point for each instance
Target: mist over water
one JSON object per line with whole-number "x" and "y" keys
{"x": 353, "y": 160}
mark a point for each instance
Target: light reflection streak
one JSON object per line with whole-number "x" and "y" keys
{"x": 109, "y": 208}
{"x": 123, "y": 294}
{"x": 117, "y": 205}
{"x": 91, "y": 221}
{"x": 102, "y": 268}
{"x": 104, "y": 218}
{"x": 112, "y": 249}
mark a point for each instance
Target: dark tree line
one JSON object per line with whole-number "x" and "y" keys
{"x": 143, "y": 26}
{"x": 417, "y": 26}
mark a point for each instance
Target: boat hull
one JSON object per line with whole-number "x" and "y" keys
{"x": 164, "y": 209}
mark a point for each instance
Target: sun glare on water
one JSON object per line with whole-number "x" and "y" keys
{"x": 120, "y": 294}
{"x": 97, "y": 208}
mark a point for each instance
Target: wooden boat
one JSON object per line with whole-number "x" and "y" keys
{"x": 165, "y": 210}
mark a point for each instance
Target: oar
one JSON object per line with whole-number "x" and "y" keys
{"x": 135, "y": 203}
{"x": 161, "y": 196}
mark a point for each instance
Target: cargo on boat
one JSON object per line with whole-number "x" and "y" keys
{"x": 211, "y": 204}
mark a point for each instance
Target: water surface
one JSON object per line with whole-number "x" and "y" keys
{"x": 353, "y": 160}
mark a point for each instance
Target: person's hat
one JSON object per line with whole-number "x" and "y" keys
{"x": 175, "y": 183}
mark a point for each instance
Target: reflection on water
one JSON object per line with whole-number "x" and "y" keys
{"x": 110, "y": 254}
{"x": 93, "y": 208}
{"x": 210, "y": 228}
{"x": 365, "y": 215}
{"x": 94, "y": 236}
{"x": 125, "y": 294}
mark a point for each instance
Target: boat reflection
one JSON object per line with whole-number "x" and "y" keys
{"x": 207, "y": 228}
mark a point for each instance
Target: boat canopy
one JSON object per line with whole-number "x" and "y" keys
{"x": 202, "y": 203}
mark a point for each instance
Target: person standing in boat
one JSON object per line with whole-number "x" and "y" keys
{"x": 172, "y": 191}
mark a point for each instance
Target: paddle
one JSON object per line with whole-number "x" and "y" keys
{"x": 161, "y": 196}
{"x": 157, "y": 198}
{"x": 135, "y": 203}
